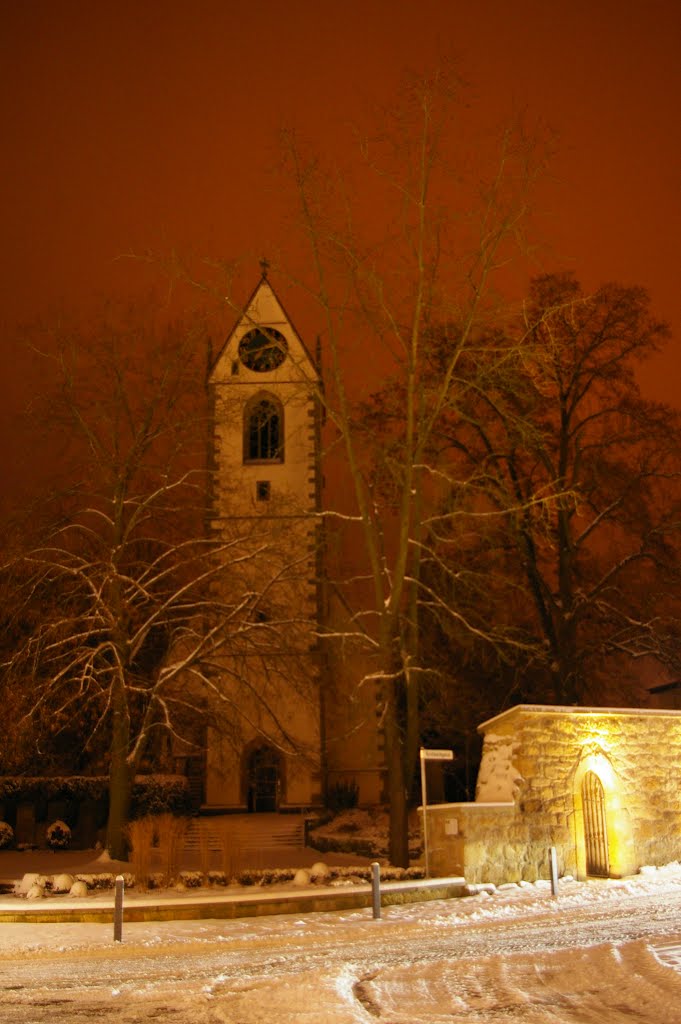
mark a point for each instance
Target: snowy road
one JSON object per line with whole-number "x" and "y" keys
{"x": 519, "y": 956}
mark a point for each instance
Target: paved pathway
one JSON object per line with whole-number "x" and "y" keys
{"x": 668, "y": 953}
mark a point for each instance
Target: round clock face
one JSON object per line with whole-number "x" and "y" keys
{"x": 263, "y": 349}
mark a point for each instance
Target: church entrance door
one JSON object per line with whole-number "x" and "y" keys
{"x": 264, "y": 779}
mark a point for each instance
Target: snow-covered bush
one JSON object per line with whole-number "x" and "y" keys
{"x": 220, "y": 878}
{"x": 6, "y": 835}
{"x": 319, "y": 872}
{"x": 262, "y": 876}
{"x": 361, "y": 831}
{"x": 62, "y": 883}
{"x": 249, "y": 877}
{"x": 58, "y": 835}
{"x": 192, "y": 879}
{"x": 30, "y": 879}
{"x": 160, "y": 794}
{"x": 105, "y": 880}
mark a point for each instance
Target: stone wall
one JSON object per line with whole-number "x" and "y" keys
{"x": 529, "y": 794}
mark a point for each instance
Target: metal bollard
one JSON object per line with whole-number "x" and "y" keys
{"x": 553, "y": 861}
{"x": 376, "y": 888}
{"x": 118, "y": 909}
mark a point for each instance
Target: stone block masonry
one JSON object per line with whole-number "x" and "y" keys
{"x": 601, "y": 785}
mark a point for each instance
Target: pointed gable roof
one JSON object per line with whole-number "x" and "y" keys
{"x": 265, "y": 309}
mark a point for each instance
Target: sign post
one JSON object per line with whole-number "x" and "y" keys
{"x": 429, "y": 755}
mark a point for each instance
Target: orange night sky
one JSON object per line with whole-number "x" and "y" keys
{"x": 153, "y": 124}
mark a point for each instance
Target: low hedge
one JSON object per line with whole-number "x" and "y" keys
{"x": 151, "y": 794}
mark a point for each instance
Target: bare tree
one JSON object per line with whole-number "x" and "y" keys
{"x": 598, "y": 563}
{"x": 146, "y": 600}
{"x": 442, "y": 240}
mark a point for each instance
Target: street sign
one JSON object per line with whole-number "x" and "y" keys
{"x": 429, "y": 755}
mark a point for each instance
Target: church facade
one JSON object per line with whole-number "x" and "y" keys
{"x": 292, "y": 722}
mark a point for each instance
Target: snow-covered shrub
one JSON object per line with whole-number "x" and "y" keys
{"x": 260, "y": 876}
{"x": 390, "y": 874}
{"x": 71, "y": 788}
{"x": 58, "y": 835}
{"x": 105, "y": 880}
{"x": 355, "y": 830}
{"x": 220, "y": 878}
{"x": 319, "y": 872}
{"x": 192, "y": 879}
{"x": 248, "y": 877}
{"x": 32, "y": 886}
{"x": 62, "y": 883}
{"x": 270, "y": 876}
{"x": 160, "y": 794}
{"x": 30, "y": 879}
{"x": 78, "y": 889}
{"x": 6, "y": 835}
{"x": 361, "y": 831}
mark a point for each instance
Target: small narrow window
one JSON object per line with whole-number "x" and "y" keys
{"x": 264, "y": 432}
{"x": 262, "y": 490}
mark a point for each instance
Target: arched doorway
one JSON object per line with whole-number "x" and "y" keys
{"x": 595, "y": 826}
{"x": 263, "y": 779}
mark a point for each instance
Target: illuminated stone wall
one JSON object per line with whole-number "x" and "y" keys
{"x": 530, "y": 794}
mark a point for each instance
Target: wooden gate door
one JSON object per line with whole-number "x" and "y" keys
{"x": 595, "y": 826}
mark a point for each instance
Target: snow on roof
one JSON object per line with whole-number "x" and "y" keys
{"x": 575, "y": 709}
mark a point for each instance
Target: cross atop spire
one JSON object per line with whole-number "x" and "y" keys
{"x": 264, "y": 266}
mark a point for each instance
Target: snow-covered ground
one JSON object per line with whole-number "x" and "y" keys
{"x": 601, "y": 953}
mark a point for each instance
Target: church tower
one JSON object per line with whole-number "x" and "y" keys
{"x": 265, "y": 752}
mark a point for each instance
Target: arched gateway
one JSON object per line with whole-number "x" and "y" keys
{"x": 595, "y": 826}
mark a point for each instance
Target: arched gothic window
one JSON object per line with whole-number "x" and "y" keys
{"x": 264, "y": 431}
